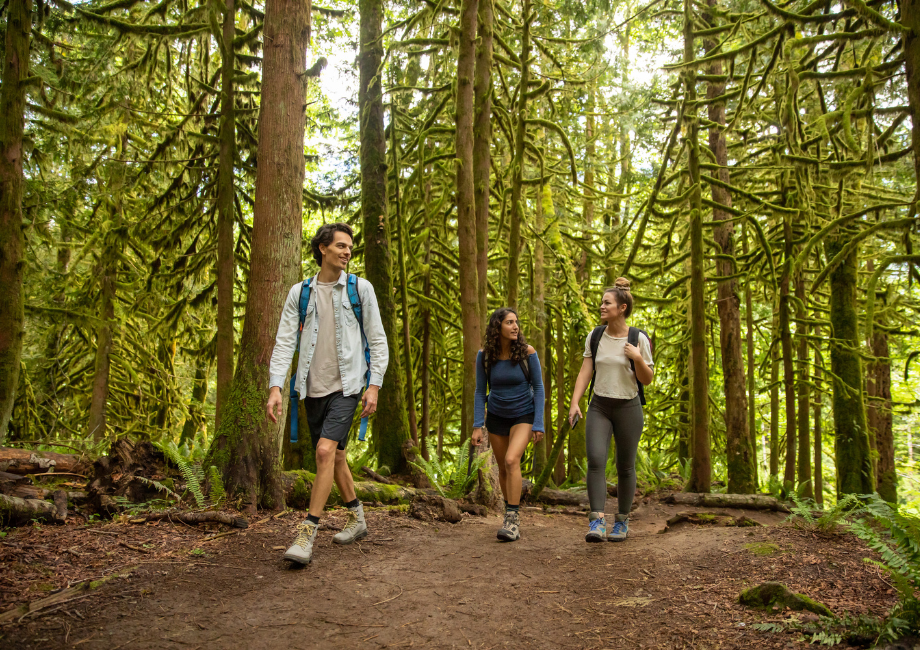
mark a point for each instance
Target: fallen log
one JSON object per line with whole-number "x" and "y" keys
{"x": 374, "y": 476}
{"x": 708, "y": 519}
{"x": 739, "y": 501}
{"x": 193, "y": 518}
{"x": 16, "y": 512}
{"x": 28, "y": 461}
{"x": 299, "y": 483}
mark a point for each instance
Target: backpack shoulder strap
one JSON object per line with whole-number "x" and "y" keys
{"x": 633, "y": 339}
{"x": 596, "y": 335}
{"x": 305, "y": 290}
{"x": 354, "y": 297}
{"x": 525, "y": 366}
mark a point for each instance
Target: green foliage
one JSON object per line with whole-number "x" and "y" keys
{"x": 217, "y": 493}
{"x": 194, "y": 477}
{"x": 451, "y": 479}
{"x": 803, "y": 513}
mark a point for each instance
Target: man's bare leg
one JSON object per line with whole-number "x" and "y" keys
{"x": 325, "y": 473}
{"x": 343, "y": 477}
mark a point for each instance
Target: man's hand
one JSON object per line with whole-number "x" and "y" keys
{"x": 477, "y": 437}
{"x": 274, "y": 404}
{"x": 369, "y": 400}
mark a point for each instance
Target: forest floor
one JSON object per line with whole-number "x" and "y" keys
{"x": 434, "y": 585}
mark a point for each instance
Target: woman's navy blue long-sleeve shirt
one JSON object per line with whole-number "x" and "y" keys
{"x": 510, "y": 394}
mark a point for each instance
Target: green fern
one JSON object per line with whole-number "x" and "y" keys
{"x": 158, "y": 486}
{"x": 451, "y": 479}
{"x": 803, "y": 513}
{"x": 194, "y": 477}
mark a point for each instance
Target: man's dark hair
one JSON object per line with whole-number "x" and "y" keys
{"x": 325, "y": 235}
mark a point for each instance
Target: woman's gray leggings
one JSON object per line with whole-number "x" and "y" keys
{"x": 623, "y": 419}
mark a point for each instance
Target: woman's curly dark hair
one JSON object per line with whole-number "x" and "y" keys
{"x": 492, "y": 347}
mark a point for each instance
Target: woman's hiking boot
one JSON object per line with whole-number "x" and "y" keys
{"x": 302, "y": 549}
{"x": 620, "y": 529}
{"x": 511, "y": 527}
{"x": 355, "y": 528}
{"x": 597, "y": 531}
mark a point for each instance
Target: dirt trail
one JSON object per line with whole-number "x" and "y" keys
{"x": 413, "y": 584}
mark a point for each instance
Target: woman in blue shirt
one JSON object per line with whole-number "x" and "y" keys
{"x": 510, "y": 370}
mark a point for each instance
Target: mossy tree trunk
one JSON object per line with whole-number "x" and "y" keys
{"x": 751, "y": 367}
{"x": 482, "y": 154}
{"x": 741, "y": 456}
{"x": 12, "y": 241}
{"x": 804, "y": 393}
{"x": 112, "y": 251}
{"x": 466, "y": 212}
{"x": 195, "y": 418}
{"x": 785, "y": 334}
{"x": 879, "y": 416}
{"x": 517, "y": 162}
{"x": 851, "y": 433}
{"x": 226, "y": 257}
{"x": 701, "y": 463}
{"x": 247, "y": 445}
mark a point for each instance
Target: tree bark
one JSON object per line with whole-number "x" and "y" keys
{"x": 851, "y": 438}
{"x": 774, "y": 411}
{"x": 247, "y": 445}
{"x": 466, "y": 212}
{"x": 517, "y": 163}
{"x": 113, "y": 244}
{"x": 879, "y": 416}
{"x": 786, "y": 342}
{"x": 701, "y": 464}
{"x": 391, "y": 427}
{"x": 561, "y": 394}
{"x": 741, "y": 456}
{"x": 742, "y": 501}
{"x": 226, "y": 258}
{"x": 819, "y": 449}
{"x": 538, "y": 335}
{"x": 12, "y": 240}
{"x": 804, "y": 435}
{"x": 482, "y": 155}
{"x": 751, "y": 367}
{"x": 27, "y": 461}
{"x": 403, "y": 247}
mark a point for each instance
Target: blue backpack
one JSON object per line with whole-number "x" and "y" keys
{"x": 355, "y": 299}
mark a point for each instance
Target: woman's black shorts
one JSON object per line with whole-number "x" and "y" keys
{"x": 502, "y": 426}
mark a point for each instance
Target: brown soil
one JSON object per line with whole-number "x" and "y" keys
{"x": 436, "y": 585}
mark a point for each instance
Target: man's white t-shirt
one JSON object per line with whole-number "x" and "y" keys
{"x": 324, "y": 377}
{"x": 614, "y": 376}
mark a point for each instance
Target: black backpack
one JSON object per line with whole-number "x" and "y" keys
{"x": 632, "y": 338}
{"x": 524, "y": 363}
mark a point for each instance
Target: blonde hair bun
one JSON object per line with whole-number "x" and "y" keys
{"x": 622, "y": 283}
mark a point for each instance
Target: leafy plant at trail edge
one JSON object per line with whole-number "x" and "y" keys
{"x": 451, "y": 479}
{"x": 803, "y": 514}
{"x": 194, "y": 477}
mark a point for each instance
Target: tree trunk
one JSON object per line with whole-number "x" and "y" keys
{"x": 774, "y": 411}
{"x": 751, "y": 367}
{"x": 226, "y": 260}
{"x": 819, "y": 449}
{"x": 804, "y": 390}
{"x": 426, "y": 316}
{"x": 910, "y": 18}
{"x": 538, "y": 335}
{"x": 851, "y": 438}
{"x": 741, "y": 455}
{"x": 517, "y": 163}
{"x": 561, "y": 395}
{"x": 482, "y": 155}
{"x": 12, "y": 241}
{"x": 391, "y": 428}
{"x": 879, "y": 417}
{"x": 247, "y": 445}
{"x": 786, "y": 342}
{"x": 113, "y": 243}
{"x": 466, "y": 213}
{"x": 587, "y": 206}
{"x": 701, "y": 464}
{"x": 577, "y": 452}
{"x": 403, "y": 247}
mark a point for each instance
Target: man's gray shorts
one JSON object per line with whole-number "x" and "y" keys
{"x": 331, "y": 416}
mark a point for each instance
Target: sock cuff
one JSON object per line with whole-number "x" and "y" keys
{"x": 312, "y": 519}
{"x": 353, "y": 504}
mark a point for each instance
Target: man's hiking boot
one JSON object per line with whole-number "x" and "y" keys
{"x": 598, "y": 528}
{"x": 511, "y": 527}
{"x": 355, "y": 528}
{"x": 620, "y": 529}
{"x": 302, "y": 549}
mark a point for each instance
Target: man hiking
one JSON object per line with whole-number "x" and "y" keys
{"x": 343, "y": 352}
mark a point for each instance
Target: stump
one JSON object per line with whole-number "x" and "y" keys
{"x": 775, "y": 596}
{"x": 430, "y": 507}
